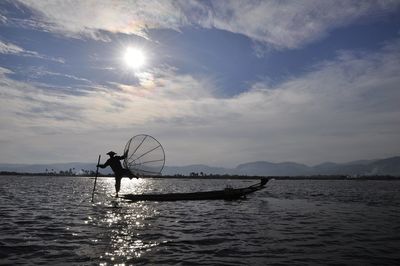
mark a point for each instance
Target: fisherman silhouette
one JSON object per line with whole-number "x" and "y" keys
{"x": 119, "y": 171}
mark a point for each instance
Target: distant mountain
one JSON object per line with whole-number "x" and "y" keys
{"x": 273, "y": 169}
{"x": 361, "y": 162}
{"x": 388, "y": 166}
{"x": 340, "y": 169}
{"x": 326, "y": 168}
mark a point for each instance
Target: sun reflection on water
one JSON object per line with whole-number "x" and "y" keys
{"x": 121, "y": 224}
{"x": 124, "y": 228}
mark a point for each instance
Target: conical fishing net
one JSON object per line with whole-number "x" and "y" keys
{"x": 144, "y": 156}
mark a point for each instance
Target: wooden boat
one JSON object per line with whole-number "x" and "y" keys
{"x": 225, "y": 194}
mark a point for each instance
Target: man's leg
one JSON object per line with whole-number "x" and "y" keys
{"x": 117, "y": 185}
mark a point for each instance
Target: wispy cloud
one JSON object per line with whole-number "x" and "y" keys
{"x": 3, "y": 19}
{"x": 291, "y": 24}
{"x": 88, "y": 18}
{"x": 10, "y": 48}
{"x": 37, "y": 72}
{"x": 279, "y": 24}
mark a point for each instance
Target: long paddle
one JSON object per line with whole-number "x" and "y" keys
{"x": 95, "y": 179}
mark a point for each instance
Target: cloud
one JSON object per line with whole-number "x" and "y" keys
{"x": 10, "y": 48}
{"x": 278, "y": 24}
{"x": 291, "y": 24}
{"x": 37, "y": 72}
{"x": 88, "y": 18}
{"x": 26, "y": 106}
{"x": 3, "y": 19}
{"x": 343, "y": 109}
{"x": 36, "y": 118}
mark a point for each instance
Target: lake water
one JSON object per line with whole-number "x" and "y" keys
{"x": 51, "y": 221}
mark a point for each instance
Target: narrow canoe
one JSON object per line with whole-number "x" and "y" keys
{"x": 225, "y": 194}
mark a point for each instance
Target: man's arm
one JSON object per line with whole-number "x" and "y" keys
{"x": 121, "y": 157}
{"x": 107, "y": 163}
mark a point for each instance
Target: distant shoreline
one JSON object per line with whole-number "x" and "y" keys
{"x": 243, "y": 177}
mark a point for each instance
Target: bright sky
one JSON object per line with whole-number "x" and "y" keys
{"x": 216, "y": 82}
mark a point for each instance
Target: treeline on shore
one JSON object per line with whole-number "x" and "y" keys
{"x": 212, "y": 176}
{"x": 60, "y": 173}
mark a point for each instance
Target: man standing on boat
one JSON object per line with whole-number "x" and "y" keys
{"x": 119, "y": 171}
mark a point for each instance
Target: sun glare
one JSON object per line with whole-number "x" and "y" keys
{"x": 134, "y": 58}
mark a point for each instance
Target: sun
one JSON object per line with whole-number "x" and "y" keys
{"x": 134, "y": 58}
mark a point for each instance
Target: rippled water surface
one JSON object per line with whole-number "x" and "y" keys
{"x": 51, "y": 221}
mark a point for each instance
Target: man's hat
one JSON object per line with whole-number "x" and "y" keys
{"x": 111, "y": 153}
